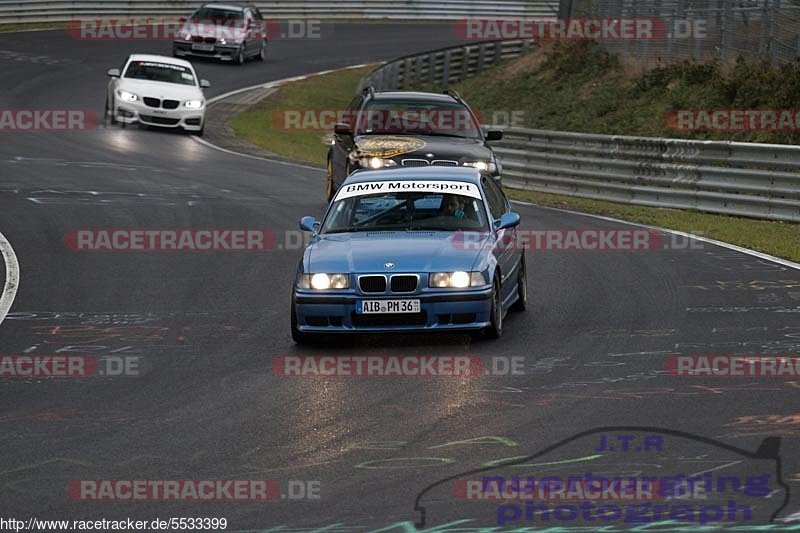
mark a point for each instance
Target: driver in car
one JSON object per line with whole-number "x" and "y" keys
{"x": 452, "y": 205}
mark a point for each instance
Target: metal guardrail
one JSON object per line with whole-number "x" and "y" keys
{"x": 443, "y": 67}
{"x": 731, "y": 178}
{"x": 64, "y": 10}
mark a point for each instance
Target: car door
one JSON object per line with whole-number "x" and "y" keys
{"x": 343, "y": 144}
{"x": 505, "y": 239}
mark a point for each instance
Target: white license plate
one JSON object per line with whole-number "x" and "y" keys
{"x": 385, "y": 307}
{"x": 203, "y": 47}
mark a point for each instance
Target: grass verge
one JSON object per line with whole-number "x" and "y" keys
{"x": 335, "y": 90}
{"x": 21, "y": 26}
{"x": 781, "y": 239}
{"x": 261, "y": 125}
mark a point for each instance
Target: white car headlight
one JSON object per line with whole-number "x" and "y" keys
{"x": 187, "y": 37}
{"x": 127, "y": 97}
{"x": 375, "y": 163}
{"x": 322, "y": 281}
{"x": 193, "y": 104}
{"x": 483, "y": 166}
{"x": 456, "y": 280}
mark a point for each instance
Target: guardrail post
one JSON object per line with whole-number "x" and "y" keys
{"x": 727, "y": 28}
{"x": 773, "y": 31}
{"x": 481, "y": 54}
{"x": 395, "y": 75}
{"x": 465, "y": 56}
{"x": 446, "y": 68}
{"x": 498, "y": 52}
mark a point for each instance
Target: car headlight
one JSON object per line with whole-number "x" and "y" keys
{"x": 223, "y": 41}
{"x": 456, "y": 280}
{"x": 193, "y": 104}
{"x": 127, "y": 97}
{"x": 187, "y": 37}
{"x": 483, "y": 166}
{"x": 322, "y": 281}
{"x": 376, "y": 162}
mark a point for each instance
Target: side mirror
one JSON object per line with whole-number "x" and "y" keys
{"x": 113, "y": 72}
{"x": 342, "y": 128}
{"x": 494, "y": 135}
{"x": 205, "y": 84}
{"x": 309, "y": 224}
{"x": 508, "y": 220}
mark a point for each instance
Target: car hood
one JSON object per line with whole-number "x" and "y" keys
{"x": 158, "y": 89}
{"x": 423, "y": 147}
{"x": 369, "y": 251}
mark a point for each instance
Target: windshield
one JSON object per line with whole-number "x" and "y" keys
{"x": 406, "y": 211}
{"x": 164, "y": 72}
{"x": 217, "y": 14}
{"x": 450, "y": 119}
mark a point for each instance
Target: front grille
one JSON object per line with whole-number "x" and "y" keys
{"x": 413, "y": 162}
{"x": 210, "y": 39}
{"x": 401, "y": 319}
{"x": 170, "y": 104}
{"x": 372, "y": 283}
{"x": 402, "y": 283}
{"x": 197, "y": 39}
{"x": 152, "y": 102}
{"x": 160, "y": 120}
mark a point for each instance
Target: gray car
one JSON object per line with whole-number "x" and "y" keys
{"x": 228, "y": 31}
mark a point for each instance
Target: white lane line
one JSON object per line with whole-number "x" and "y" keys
{"x": 766, "y": 257}
{"x": 12, "y": 277}
{"x": 270, "y": 85}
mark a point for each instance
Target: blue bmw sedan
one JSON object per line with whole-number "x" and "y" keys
{"x": 411, "y": 249}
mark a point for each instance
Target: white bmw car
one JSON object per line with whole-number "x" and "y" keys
{"x": 156, "y": 91}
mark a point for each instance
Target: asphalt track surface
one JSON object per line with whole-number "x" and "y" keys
{"x": 207, "y": 326}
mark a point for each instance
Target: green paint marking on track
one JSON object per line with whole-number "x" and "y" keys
{"x": 501, "y": 462}
{"x": 479, "y": 440}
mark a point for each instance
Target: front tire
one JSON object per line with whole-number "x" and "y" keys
{"x": 495, "y": 329}
{"x": 522, "y": 288}
{"x": 262, "y": 54}
{"x": 240, "y": 56}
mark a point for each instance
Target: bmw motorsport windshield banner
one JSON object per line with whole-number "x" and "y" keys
{"x": 383, "y": 187}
